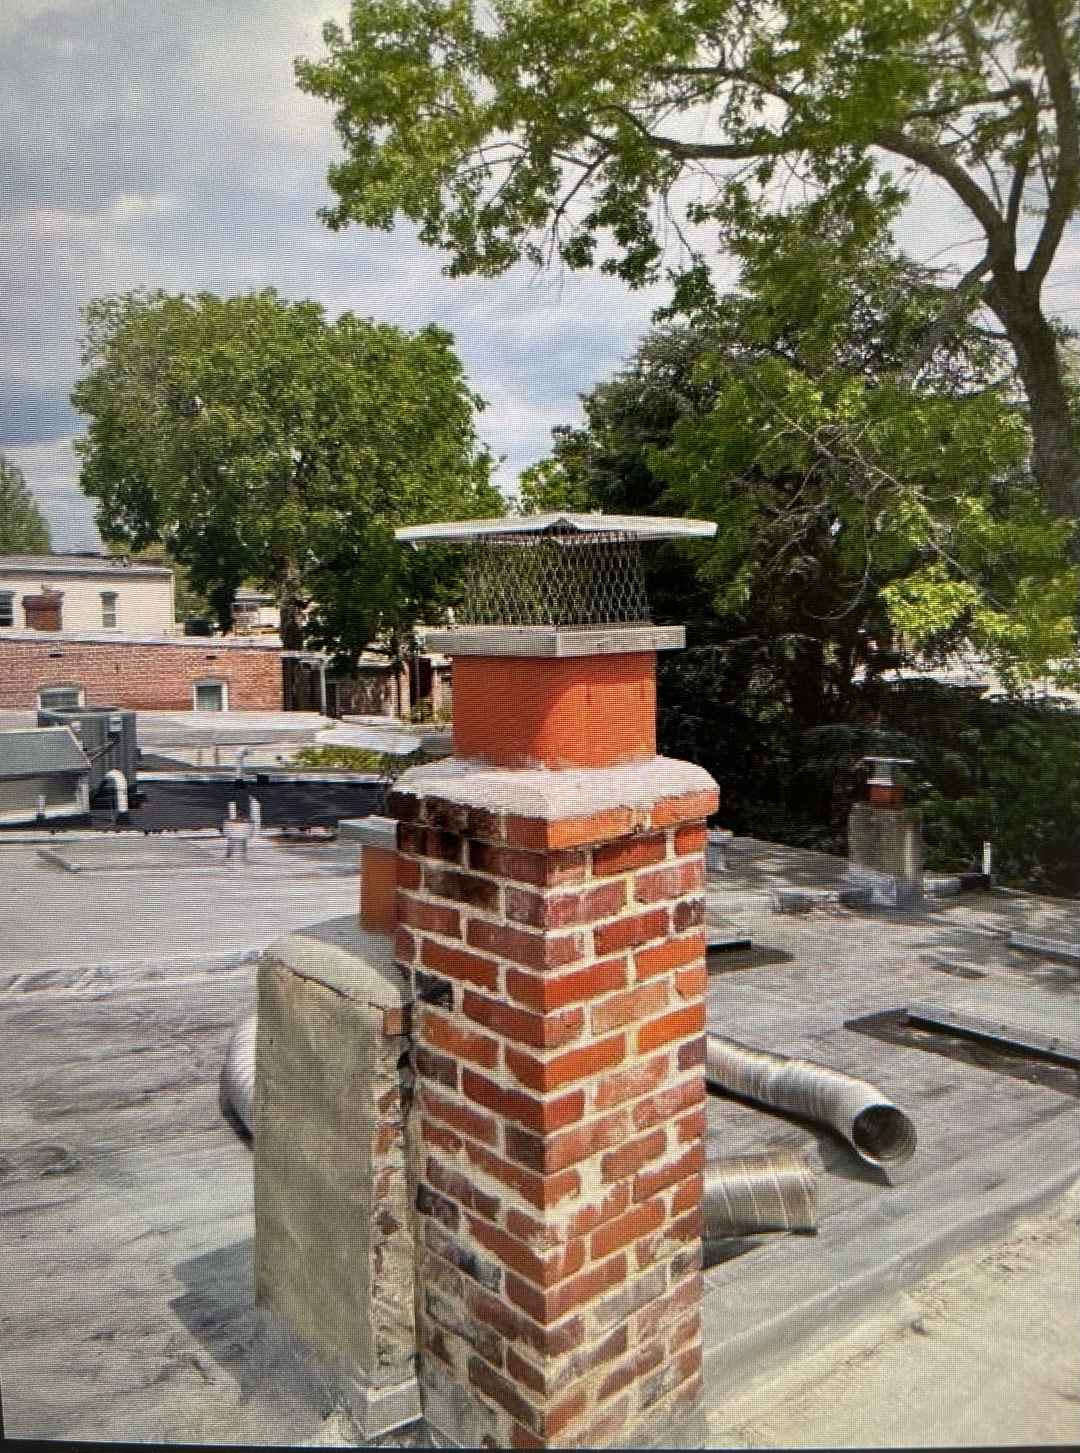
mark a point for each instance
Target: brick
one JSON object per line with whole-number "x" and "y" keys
{"x": 543, "y": 870}
{"x": 428, "y": 917}
{"x": 565, "y": 909}
{"x": 542, "y": 1031}
{"x": 551, "y": 1153}
{"x": 639, "y": 1078}
{"x": 620, "y": 1010}
{"x": 435, "y": 1342}
{"x": 447, "y": 847}
{"x": 486, "y": 1273}
{"x": 674, "y": 954}
{"x": 665, "y": 1310}
{"x": 689, "y": 1194}
{"x": 546, "y": 992}
{"x": 543, "y": 1271}
{"x": 461, "y": 1189}
{"x": 630, "y": 1157}
{"x": 686, "y": 1228}
{"x": 588, "y": 1218}
{"x": 531, "y": 950}
{"x": 512, "y": 1324}
{"x": 468, "y": 888}
{"x": 643, "y": 1361}
{"x": 691, "y": 839}
{"x": 657, "y": 1178}
{"x": 396, "y": 1022}
{"x": 691, "y": 1128}
{"x": 688, "y": 807}
{"x": 435, "y": 1067}
{"x": 541, "y": 1235}
{"x": 687, "y": 914}
{"x": 539, "y": 834}
{"x": 524, "y": 1373}
{"x": 543, "y": 1192}
{"x": 451, "y": 1316}
{"x": 408, "y": 873}
{"x": 669, "y": 882}
{"x": 543, "y": 1116}
{"x": 623, "y": 933}
{"x": 457, "y": 963}
{"x": 686, "y": 1263}
{"x": 552, "y": 1305}
{"x": 694, "y": 1052}
{"x": 404, "y": 946}
{"x": 666, "y": 1104}
{"x": 565, "y": 1069}
{"x": 519, "y": 1438}
{"x": 461, "y": 1042}
{"x": 683, "y": 1332}
{"x": 603, "y": 1433}
{"x": 691, "y": 983}
{"x": 628, "y": 854}
{"x": 627, "y": 1228}
{"x": 631, "y": 1298}
{"x": 502, "y": 1391}
{"x": 680, "y": 1024}
{"x": 439, "y": 1136}
{"x": 474, "y": 1123}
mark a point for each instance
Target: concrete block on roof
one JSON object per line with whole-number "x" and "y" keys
{"x": 333, "y": 1219}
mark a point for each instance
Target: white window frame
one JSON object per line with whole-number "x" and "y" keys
{"x": 223, "y": 687}
{"x": 109, "y": 606}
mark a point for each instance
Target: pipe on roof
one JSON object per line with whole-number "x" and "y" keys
{"x": 879, "y": 1131}
{"x": 236, "y": 1087}
{"x": 772, "y": 1190}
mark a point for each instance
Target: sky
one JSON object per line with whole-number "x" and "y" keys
{"x": 150, "y": 143}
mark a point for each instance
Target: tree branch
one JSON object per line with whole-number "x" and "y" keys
{"x": 934, "y": 159}
{"x": 1066, "y": 189}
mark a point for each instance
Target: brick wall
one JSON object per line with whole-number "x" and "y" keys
{"x": 142, "y": 675}
{"x": 559, "y": 1049}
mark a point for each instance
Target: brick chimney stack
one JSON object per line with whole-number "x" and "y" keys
{"x": 551, "y": 924}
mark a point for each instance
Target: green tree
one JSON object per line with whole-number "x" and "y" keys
{"x": 23, "y": 530}
{"x": 585, "y": 132}
{"x": 259, "y": 442}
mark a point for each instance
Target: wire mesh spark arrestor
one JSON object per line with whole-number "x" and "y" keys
{"x": 553, "y": 647}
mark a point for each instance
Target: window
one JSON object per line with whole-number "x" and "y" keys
{"x": 108, "y": 609}
{"x": 210, "y": 696}
{"x": 7, "y": 607}
{"x": 60, "y": 698}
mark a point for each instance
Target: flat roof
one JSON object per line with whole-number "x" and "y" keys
{"x": 112, "y": 638}
{"x": 81, "y": 565}
{"x": 641, "y": 527}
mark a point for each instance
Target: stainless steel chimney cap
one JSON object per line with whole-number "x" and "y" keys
{"x": 637, "y": 527}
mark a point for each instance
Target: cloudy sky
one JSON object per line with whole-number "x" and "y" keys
{"x": 162, "y": 144}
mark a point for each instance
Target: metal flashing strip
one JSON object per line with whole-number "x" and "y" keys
{"x": 1005, "y": 1018}
{"x": 552, "y": 641}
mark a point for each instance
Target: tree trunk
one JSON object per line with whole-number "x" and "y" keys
{"x": 1055, "y": 453}
{"x": 291, "y": 603}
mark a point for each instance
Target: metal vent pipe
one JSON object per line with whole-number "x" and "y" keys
{"x": 879, "y": 1131}
{"x": 772, "y": 1190}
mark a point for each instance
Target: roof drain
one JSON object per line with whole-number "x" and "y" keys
{"x": 773, "y": 1190}
{"x": 879, "y": 1131}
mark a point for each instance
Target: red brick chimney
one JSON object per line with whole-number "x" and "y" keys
{"x": 551, "y": 911}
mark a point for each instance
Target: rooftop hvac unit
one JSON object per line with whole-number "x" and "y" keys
{"x": 106, "y": 735}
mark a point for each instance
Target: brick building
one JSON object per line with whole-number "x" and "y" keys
{"x": 138, "y": 673}
{"x": 78, "y": 593}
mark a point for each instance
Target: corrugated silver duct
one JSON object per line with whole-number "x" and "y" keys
{"x": 770, "y": 1191}
{"x": 236, "y": 1088}
{"x": 879, "y": 1131}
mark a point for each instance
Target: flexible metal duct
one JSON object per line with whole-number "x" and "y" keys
{"x": 879, "y": 1131}
{"x": 236, "y": 1088}
{"x": 773, "y": 1190}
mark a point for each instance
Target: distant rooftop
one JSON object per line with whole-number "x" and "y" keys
{"x": 81, "y": 563}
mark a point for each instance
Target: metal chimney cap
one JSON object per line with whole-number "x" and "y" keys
{"x": 882, "y": 775}
{"x": 637, "y": 527}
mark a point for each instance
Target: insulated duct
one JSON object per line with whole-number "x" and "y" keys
{"x": 770, "y": 1191}
{"x": 236, "y": 1088}
{"x": 879, "y": 1131}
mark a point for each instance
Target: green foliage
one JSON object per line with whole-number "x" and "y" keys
{"x": 259, "y": 442}
{"x": 592, "y": 133}
{"x": 867, "y": 519}
{"x": 344, "y": 759}
{"x": 23, "y": 530}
